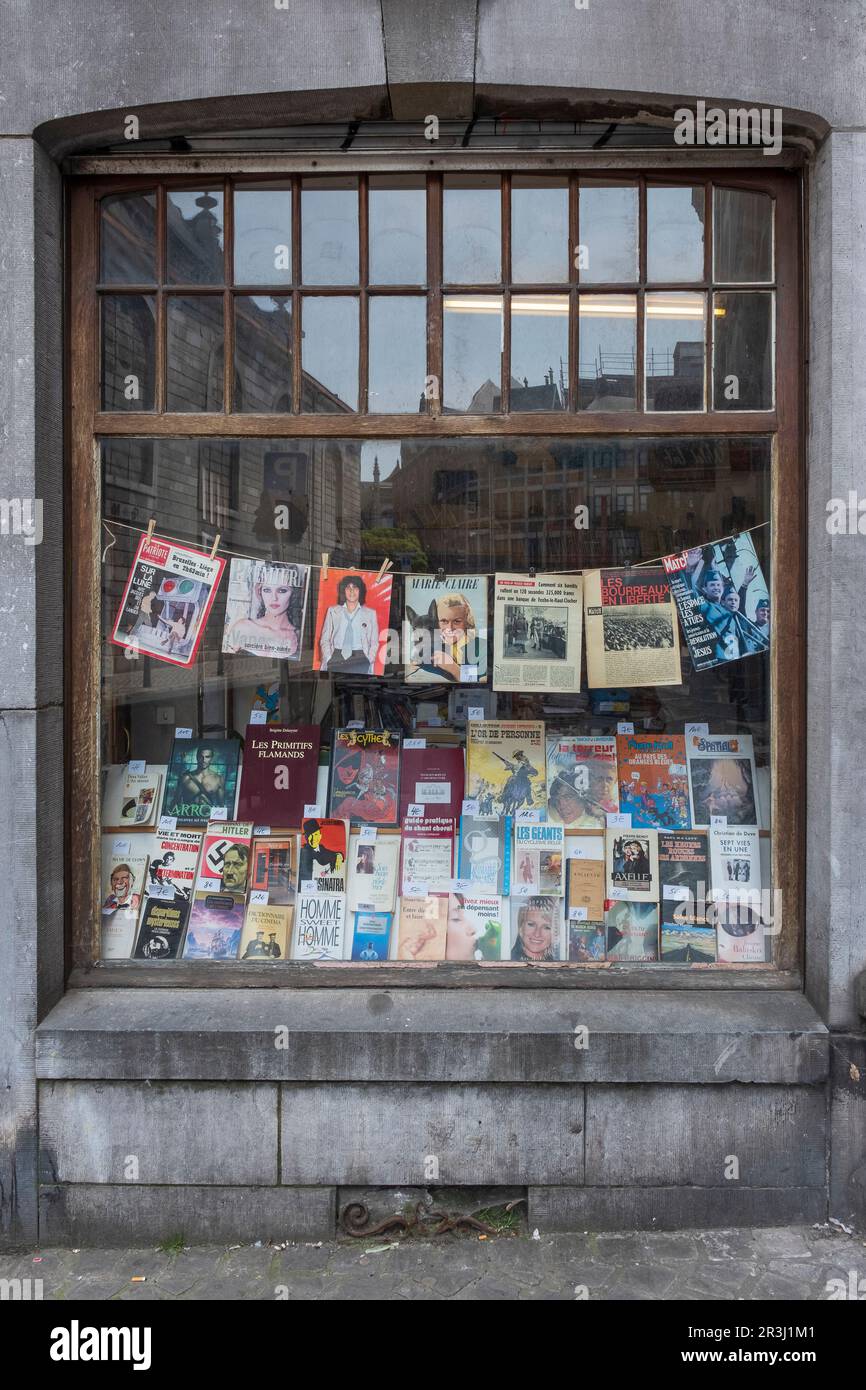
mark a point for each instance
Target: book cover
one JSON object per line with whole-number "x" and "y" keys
{"x": 266, "y": 603}
{"x": 653, "y": 786}
{"x": 202, "y": 777}
{"x": 432, "y": 776}
{"x": 123, "y": 878}
{"x": 215, "y": 924}
{"x": 585, "y": 890}
{"x": 740, "y": 937}
{"x": 684, "y": 875}
{"x": 722, "y": 781}
{"x": 735, "y": 857}
{"x": 445, "y": 629}
{"x": 353, "y": 618}
{"x": 537, "y": 930}
{"x": 365, "y": 777}
{"x": 131, "y": 798}
{"x": 539, "y": 860}
{"x": 427, "y": 855}
{"x": 505, "y": 766}
{"x": 484, "y": 852}
{"x": 266, "y": 932}
{"x": 166, "y": 602}
{"x": 373, "y": 870}
{"x": 537, "y": 632}
{"x": 582, "y": 788}
{"x": 274, "y": 868}
{"x": 224, "y": 865}
{"x": 723, "y": 601}
{"x": 632, "y": 635}
{"x": 423, "y": 928}
{"x": 371, "y": 935}
{"x": 322, "y": 858}
{"x": 632, "y": 931}
{"x": 281, "y": 765}
{"x": 475, "y": 926}
{"x": 160, "y": 935}
{"x": 587, "y": 941}
{"x": 320, "y": 927}
{"x": 688, "y": 944}
{"x": 632, "y": 865}
{"x": 172, "y": 867}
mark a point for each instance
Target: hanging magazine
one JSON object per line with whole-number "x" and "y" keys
{"x": 632, "y": 635}
{"x": 537, "y": 629}
{"x": 723, "y": 601}
{"x": 445, "y": 629}
{"x": 265, "y": 608}
{"x": 166, "y": 602}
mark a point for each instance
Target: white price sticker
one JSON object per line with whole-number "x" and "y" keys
{"x": 261, "y": 830}
{"x": 312, "y": 811}
{"x": 475, "y": 712}
{"x": 470, "y": 807}
{"x": 619, "y": 820}
{"x": 183, "y": 733}
{"x": 528, "y": 813}
{"x": 462, "y": 885}
{"x": 367, "y": 835}
{"x": 415, "y": 890}
{"x": 355, "y": 724}
{"x": 469, "y": 675}
{"x": 416, "y": 809}
{"x": 258, "y": 716}
{"x": 136, "y": 767}
{"x": 259, "y": 897}
{"x": 307, "y": 886}
{"x": 618, "y": 894}
{"x": 122, "y": 847}
{"x": 577, "y": 914}
{"x": 718, "y": 822}
{"x": 625, "y": 726}
{"x": 697, "y": 729}
{"x": 414, "y": 743}
{"x": 219, "y": 813}
{"x": 167, "y": 824}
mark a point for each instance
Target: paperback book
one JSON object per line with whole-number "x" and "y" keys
{"x": 123, "y": 878}
{"x": 423, "y": 928}
{"x": 373, "y": 870}
{"x": 202, "y": 777}
{"x": 537, "y": 930}
{"x": 632, "y": 931}
{"x": 426, "y": 864}
{"x": 432, "y": 776}
{"x": 131, "y": 798}
{"x": 484, "y": 853}
{"x": 274, "y": 868}
{"x": 539, "y": 860}
{"x": 160, "y": 934}
{"x": 505, "y": 766}
{"x": 320, "y": 927}
{"x": 585, "y": 889}
{"x": 475, "y": 927}
{"x": 365, "y": 777}
{"x": 632, "y": 865}
{"x": 172, "y": 865}
{"x": 371, "y": 935}
{"x": 322, "y": 860}
{"x": 653, "y": 787}
{"x": 581, "y": 781}
{"x": 722, "y": 780}
{"x": 266, "y": 932}
{"x": 281, "y": 764}
{"x": 587, "y": 941}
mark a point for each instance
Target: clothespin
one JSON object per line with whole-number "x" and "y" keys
{"x": 326, "y": 555}
{"x": 215, "y": 546}
{"x": 383, "y": 570}
{"x": 151, "y": 527}
{"x": 440, "y": 574}
{"x": 531, "y": 571}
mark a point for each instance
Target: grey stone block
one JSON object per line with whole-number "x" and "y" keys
{"x": 848, "y": 1130}
{"x": 654, "y": 1136}
{"x": 430, "y": 55}
{"x": 671, "y": 1208}
{"x": 384, "y": 1135}
{"x": 109, "y": 1132}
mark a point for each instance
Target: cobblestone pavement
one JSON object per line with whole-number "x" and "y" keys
{"x": 772, "y": 1263}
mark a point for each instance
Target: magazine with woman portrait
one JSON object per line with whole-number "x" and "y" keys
{"x": 445, "y": 629}
{"x": 266, "y": 605}
{"x": 353, "y": 613}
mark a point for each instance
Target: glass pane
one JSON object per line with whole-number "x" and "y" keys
{"x": 329, "y": 354}
{"x": 329, "y": 231}
{"x": 608, "y": 346}
{"x": 674, "y": 343}
{"x": 539, "y": 352}
{"x": 128, "y": 239}
{"x": 128, "y": 361}
{"x": 472, "y": 351}
{"x": 194, "y": 238}
{"x": 398, "y": 230}
{"x": 263, "y": 236}
{"x": 742, "y": 235}
{"x": 743, "y": 350}
{"x": 398, "y": 353}
{"x": 263, "y": 353}
{"x": 539, "y": 230}
{"x": 472, "y": 229}
{"x": 675, "y": 233}
{"x": 608, "y": 232}
{"x": 195, "y": 353}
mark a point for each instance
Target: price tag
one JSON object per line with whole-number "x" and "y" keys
{"x": 219, "y": 813}
{"x": 475, "y": 712}
{"x": 259, "y": 897}
{"x": 618, "y": 894}
{"x": 415, "y": 890}
{"x": 677, "y": 769}
{"x": 261, "y": 830}
{"x": 313, "y": 812}
{"x": 462, "y": 885}
{"x": 307, "y": 886}
{"x": 619, "y": 820}
{"x": 718, "y": 822}
{"x": 367, "y": 835}
{"x": 415, "y": 809}
{"x": 355, "y": 724}
{"x": 138, "y": 766}
{"x": 122, "y": 847}
{"x": 183, "y": 733}
{"x": 676, "y": 892}
{"x": 167, "y": 824}
{"x": 469, "y": 675}
{"x": 258, "y": 716}
{"x": 697, "y": 730}
{"x": 625, "y": 726}
{"x": 577, "y": 914}
{"x": 470, "y": 807}
{"x": 529, "y": 813}
{"x": 366, "y": 907}
{"x": 414, "y": 743}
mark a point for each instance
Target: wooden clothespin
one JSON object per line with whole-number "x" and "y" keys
{"x": 151, "y": 527}
{"x": 112, "y": 542}
{"x": 383, "y": 570}
{"x": 531, "y": 571}
{"x": 440, "y": 574}
{"x": 326, "y": 555}
{"x": 215, "y": 546}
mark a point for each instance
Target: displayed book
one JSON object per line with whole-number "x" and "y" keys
{"x": 172, "y": 864}
{"x": 537, "y": 930}
{"x": 740, "y": 937}
{"x": 427, "y": 854}
{"x": 274, "y": 868}
{"x": 632, "y": 635}
{"x": 539, "y": 860}
{"x": 484, "y": 852}
{"x": 160, "y": 932}
{"x": 505, "y": 766}
{"x": 582, "y": 788}
{"x": 723, "y": 600}
{"x": 267, "y": 932}
{"x": 280, "y": 770}
{"x": 224, "y": 865}
{"x": 585, "y": 887}
{"x": 537, "y": 632}
{"x": 322, "y": 858}
{"x": 371, "y": 935}
{"x": 688, "y": 943}
{"x": 124, "y": 870}
{"x": 201, "y": 778}
{"x": 319, "y": 931}
{"x": 735, "y": 859}
{"x": 432, "y": 776}
{"x": 423, "y": 927}
{"x": 722, "y": 781}
{"x": 216, "y": 923}
{"x": 632, "y": 931}
{"x": 365, "y": 777}
{"x": 653, "y": 786}
{"x": 266, "y": 603}
{"x": 131, "y": 798}
{"x": 374, "y": 866}
{"x": 684, "y": 875}
{"x": 353, "y": 618}
{"x": 475, "y": 926}
{"x": 587, "y": 941}
{"x": 167, "y": 599}
{"x": 632, "y": 858}
{"x": 445, "y": 629}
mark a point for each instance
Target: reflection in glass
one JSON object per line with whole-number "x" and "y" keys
{"x": 472, "y": 352}
{"x": 608, "y": 345}
{"x": 742, "y": 235}
{"x": 128, "y": 239}
{"x": 263, "y": 353}
{"x": 674, "y": 346}
{"x": 329, "y": 354}
{"x": 398, "y": 229}
{"x": 127, "y": 357}
{"x": 539, "y": 230}
{"x": 195, "y": 360}
{"x": 263, "y": 236}
{"x": 194, "y": 237}
{"x": 539, "y": 352}
{"x": 472, "y": 229}
{"x": 675, "y": 234}
{"x": 398, "y": 353}
{"x": 329, "y": 231}
{"x": 743, "y": 350}
{"x": 608, "y": 230}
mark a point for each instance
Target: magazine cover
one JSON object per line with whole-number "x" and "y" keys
{"x": 445, "y": 629}
{"x": 371, "y": 935}
{"x": 632, "y": 865}
{"x": 160, "y": 934}
{"x": 537, "y": 930}
{"x": 684, "y": 875}
{"x": 632, "y": 636}
{"x": 484, "y": 852}
{"x": 505, "y": 766}
{"x": 632, "y": 931}
{"x": 587, "y": 942}
{"x": 266, "y": 933}
{"x": 537, "y": 632}
{"x": 131, "y": 798}
{"x": 722, "y": 780}
{"x": 215, "y": 924}
{"x": 266, "y": 603}
{"x": 723, "y": 601}
{"x": 274, "y": 868}
{"x": 539, "y": 860}
{"x": 322, "y": 859}
{"x": 281, "y": 764}
{"x": 585, "y": 888}
{"x": 427, "y": 854}
{"x": 432, "y": 776}
{"x": 320, "y": 927}
{"x": 474, "y": 927}
{"x": 582, "y": 786}
{"x": 353, "y": 617}
{"x": 172, "y": 864}
{"x": 373, "y": 869}
{"x": 202, "y": 776}
{"x": 224, "y": 866}
{"x": 423, "y": 928}
{"x": 653, "y": 787}
{"x": 124, "y": 870}
{"x": 166, "y": 602}
{"x": 365, "y": 777}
